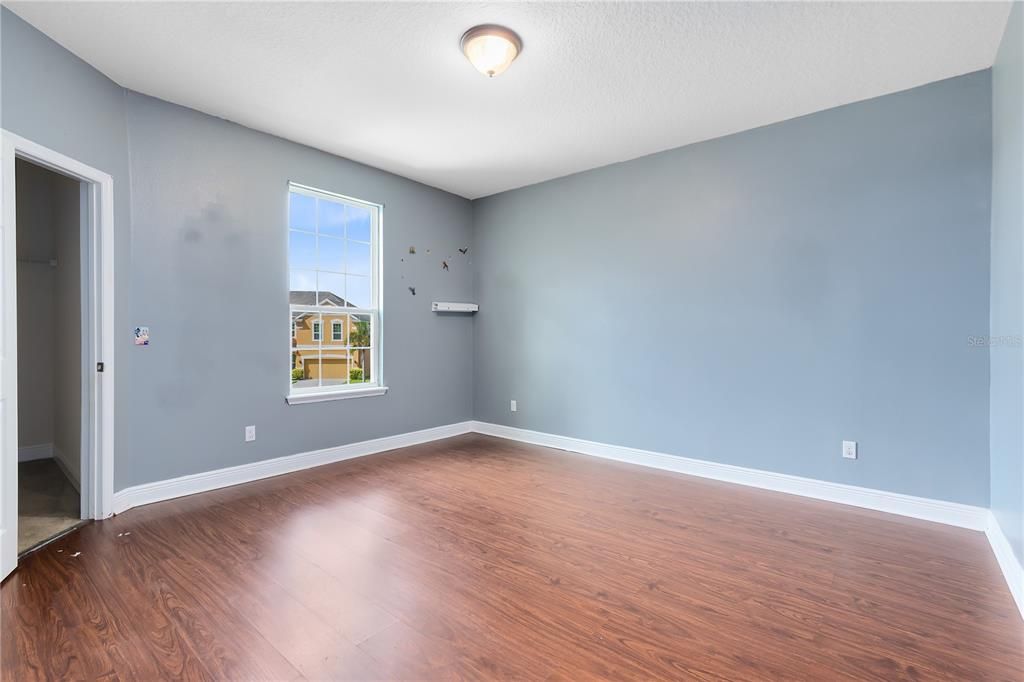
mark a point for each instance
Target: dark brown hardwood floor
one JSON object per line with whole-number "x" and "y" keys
{"x": 481, "y": 558}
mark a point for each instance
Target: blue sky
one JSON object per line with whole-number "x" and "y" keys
{"x": 329, "y": 248}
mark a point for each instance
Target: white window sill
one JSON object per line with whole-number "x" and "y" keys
{"x": 345, "y": 394}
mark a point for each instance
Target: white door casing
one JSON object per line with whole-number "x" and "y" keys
{"x": 98, "y": 337}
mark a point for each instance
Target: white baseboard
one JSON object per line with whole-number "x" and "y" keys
{"x": 28, "y": 453}
{"x": 950, "y": 513}
{"x": 62, "y": 462}
{"x": 158, "y": 491}
{"x": 1012, "y": 570}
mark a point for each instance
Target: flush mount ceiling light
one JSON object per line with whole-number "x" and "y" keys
{"x": 491, "y": 48}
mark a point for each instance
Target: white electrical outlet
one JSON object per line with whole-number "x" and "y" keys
{"x": 512, "y": 406}
{"x": 250, "y": 433}
{"x": 850, "y": 449}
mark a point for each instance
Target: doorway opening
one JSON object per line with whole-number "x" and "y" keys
{"x": 78, "y": 325}
{"x": 51, "y": 228}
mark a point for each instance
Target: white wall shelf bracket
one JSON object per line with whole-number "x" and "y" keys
{"x": 448, "y": 307}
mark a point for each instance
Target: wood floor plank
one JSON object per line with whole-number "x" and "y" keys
{"x": 480, "y": 558}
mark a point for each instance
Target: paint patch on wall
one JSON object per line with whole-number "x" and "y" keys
{"x": 142, "y": 336}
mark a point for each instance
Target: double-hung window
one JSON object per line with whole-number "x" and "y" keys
{"x": 334, "y": 282}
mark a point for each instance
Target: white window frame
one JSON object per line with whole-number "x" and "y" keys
{"x": 374, "y": 312}
{"x": 318, "y": 330}
{"x": 341, "y": 333}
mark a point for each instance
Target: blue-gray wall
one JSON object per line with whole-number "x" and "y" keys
{"x": 209, "y": 207}
{"x": 49, "y": 96}
{"x": 202, "y": 260}
{"x": 753, "y": 299}
{"x": 1008, "y": 283}
{"x": 758, "y": 298}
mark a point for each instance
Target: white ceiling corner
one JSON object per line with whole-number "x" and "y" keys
{"x": 385, "y": 83}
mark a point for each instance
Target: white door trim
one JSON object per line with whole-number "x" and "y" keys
{"x": 98, "y": 472}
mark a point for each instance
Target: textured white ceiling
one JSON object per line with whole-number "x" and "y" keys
{"x": 386, "y": 84}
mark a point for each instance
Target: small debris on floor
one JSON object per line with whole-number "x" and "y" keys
{"x": 412, "y": 249}
{"x": 444, "y": 265}
{"x": 464, "y": 251}
{"x": 127, "y": 532}
{"x": 412, "y": 290}
{"x": 60, "y": 550}
{"x": 75, "y": 554}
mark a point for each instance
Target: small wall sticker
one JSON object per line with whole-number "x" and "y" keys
{"x": 142, "y": 336}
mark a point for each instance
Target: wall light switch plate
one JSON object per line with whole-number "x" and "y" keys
{"x": 850, "y": 449}
{"x": 512, "y": 406}
{"x": 250, "y": 433}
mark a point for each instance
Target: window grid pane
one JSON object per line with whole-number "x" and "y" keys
{"x": 331, "y": 247}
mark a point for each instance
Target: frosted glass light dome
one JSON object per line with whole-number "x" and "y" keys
{"x": 491, "y": 49}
